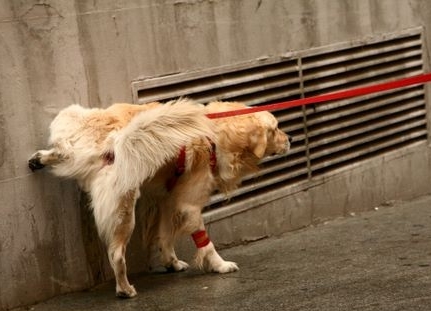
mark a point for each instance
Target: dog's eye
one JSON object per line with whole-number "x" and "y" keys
{"x": 271, "y": 132}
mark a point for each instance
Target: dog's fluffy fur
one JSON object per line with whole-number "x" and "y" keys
{"x": 125, "y": 151}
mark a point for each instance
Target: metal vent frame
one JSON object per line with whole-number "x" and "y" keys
{"x": 327, "y": 136}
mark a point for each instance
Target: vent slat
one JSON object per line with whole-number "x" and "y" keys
{"x": 246, "y": 68}
{"x": 363, "y": 51}
{"x": 362, "y": 139}
{"x": 291, "y": 155}
{"x": 396, "y": 70}
{"x": 372, "y": 80}
{"x": 291, "y": 158}
{"x": 289, "y": 116}
{"x": 223, "y": 81}
{"x": 366, "y": 127}
{"x": 362, "y": 118}
{"x": 266, "y": 97}
{"x": 403, "y": 93}
{"x": 291, "y": 129}
{"x": 361, "y": 107}
{"x": 350, "y": 64}
{"x": 287, "y": 163}
{"x": 247, "y": 188}
{"x": 370, "y": 149}
{"x": 254, "y": 88}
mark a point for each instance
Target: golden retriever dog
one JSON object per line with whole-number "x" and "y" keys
{"x": 170, "y": 154}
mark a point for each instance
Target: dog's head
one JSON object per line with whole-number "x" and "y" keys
{"x": 266, "y": 138}
{"x": 256, "y": 133}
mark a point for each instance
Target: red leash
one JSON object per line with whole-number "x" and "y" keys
{"x": 418, "y": 79}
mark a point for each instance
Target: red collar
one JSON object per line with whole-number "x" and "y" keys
{"x": 180, "y": 166}
{"x": 213, "y": 156}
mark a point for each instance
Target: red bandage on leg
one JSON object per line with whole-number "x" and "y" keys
{"x": 201, "y": 238}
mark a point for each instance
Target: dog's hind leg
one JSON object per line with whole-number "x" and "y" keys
{"x": 122, "y": 232}
{"x": 43, "y": 158}
{"x": 166, "y": 241}
{"x": 115, "y": 219}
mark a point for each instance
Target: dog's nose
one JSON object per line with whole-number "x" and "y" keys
{"x": 290, "y": 138}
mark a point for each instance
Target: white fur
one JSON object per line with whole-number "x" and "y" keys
{"x": 141, "y": 148}
{"x": 72, "y": 140}
{"x": 153, "y": 138}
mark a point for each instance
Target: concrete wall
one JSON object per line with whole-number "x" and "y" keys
{"x": 55, "y": 53}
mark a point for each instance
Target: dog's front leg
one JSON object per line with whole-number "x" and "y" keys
{"x": 166, "y": 241}
{"x": 207, "y": 258}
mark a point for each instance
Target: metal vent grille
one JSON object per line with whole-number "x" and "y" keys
{"x": 326, "y": 136}
{"x": 348, "y": 130}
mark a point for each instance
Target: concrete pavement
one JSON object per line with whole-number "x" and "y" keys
{"x": 378, "y": 260}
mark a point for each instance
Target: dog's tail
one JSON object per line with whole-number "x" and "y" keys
{"x": 153, "y": 138}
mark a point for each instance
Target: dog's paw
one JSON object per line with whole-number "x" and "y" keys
{"x": 225, "y": 267}
{"x": 34, "y": 162}
{"x": 124, "y": 293}
{"x": 178, "y": 266}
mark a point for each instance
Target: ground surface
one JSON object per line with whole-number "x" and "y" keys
{"x": 379, "y": 260}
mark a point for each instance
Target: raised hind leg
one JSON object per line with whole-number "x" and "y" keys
{"x": 43, "y": 158}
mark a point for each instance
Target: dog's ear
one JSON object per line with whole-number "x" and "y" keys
{"x": 258, "y": 141}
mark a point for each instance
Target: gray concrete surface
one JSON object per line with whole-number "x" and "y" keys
{"x": 377, "y": 260}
